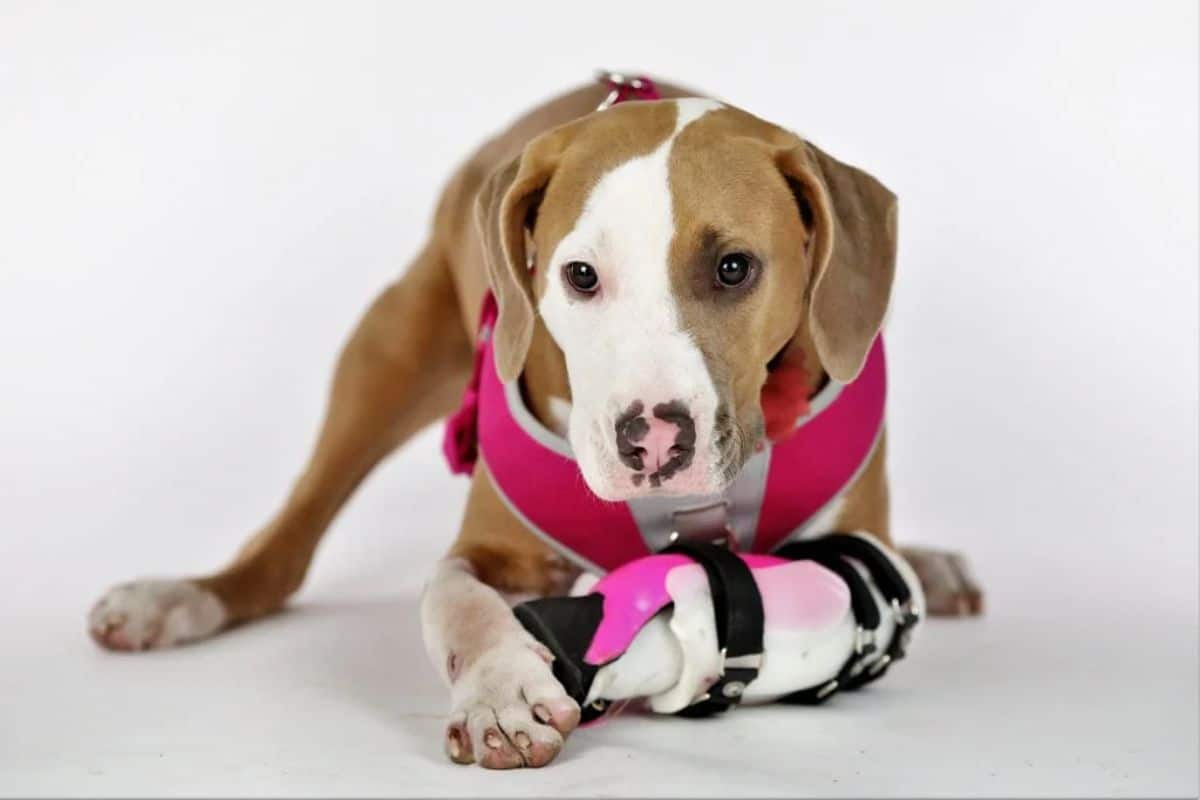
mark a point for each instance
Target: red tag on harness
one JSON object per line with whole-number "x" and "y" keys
{"x": 784, "y": 399}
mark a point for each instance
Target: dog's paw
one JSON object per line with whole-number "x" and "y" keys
{"x": 950, "y": 588}
{"x": 149, "y": 614}
{"x": 508, "y": 708}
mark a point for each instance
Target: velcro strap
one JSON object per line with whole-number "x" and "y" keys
{"x": 738, "y": 611}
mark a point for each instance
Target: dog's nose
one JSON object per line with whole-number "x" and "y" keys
{"x": 660, "y": 444}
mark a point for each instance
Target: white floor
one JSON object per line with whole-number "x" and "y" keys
{"x": 1067, "y": 687}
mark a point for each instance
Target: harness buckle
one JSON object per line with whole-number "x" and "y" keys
{"x": 721, "y": 537}
{"x": 703, "y": 524}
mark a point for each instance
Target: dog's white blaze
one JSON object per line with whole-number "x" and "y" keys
{"x": 626, "y": 343}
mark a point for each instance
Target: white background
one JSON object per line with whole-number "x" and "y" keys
{"x": 197, "y": 201}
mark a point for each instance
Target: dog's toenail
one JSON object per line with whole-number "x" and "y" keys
{"x": 542, "y": 713}
{"x": 522, "y": 740}
{"x": 492, "y": 740}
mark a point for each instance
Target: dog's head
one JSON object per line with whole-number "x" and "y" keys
{"x": 673, "y": 249}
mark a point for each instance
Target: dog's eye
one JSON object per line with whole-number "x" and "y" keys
{"x": 582, "y": 277}
{"x": 733, "y": 269}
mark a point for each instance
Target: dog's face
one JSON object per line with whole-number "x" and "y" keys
{"x": 673, "y": 250}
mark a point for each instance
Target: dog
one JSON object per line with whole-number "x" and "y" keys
{"x": 654, "y": 264}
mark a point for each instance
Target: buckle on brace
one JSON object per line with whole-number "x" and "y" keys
{"x": 864, "y": 641}
{"x": 906, "y": 619}
{"x": 746, "y": 666}
{"x": 749, "y": 661}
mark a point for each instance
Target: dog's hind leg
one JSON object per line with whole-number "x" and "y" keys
{"x": 403, "y": 367}
{"x": 949, "y": 585}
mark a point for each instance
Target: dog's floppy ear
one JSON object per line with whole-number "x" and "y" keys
{"x": 854, "y": 254}
{"x": 505, "y": 211}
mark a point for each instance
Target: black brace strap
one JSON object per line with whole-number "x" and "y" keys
{"x": 737, "y": 606}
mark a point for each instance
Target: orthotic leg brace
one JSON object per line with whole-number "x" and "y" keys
{"x": 697, "y": 628}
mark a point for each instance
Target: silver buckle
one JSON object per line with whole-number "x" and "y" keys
{"x": 707, "y": 522}
{"x": 721, "y": 537}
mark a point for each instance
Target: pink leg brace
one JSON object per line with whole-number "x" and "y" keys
{"x": 698, "y": 630}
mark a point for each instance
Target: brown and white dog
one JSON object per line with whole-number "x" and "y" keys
{"x": 602, "y": 234}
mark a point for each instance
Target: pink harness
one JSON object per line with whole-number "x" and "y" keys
{"x": 777, "y": 497}
{"x": 779, "y": 494}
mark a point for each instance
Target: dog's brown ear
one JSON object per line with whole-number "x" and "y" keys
{"x": 853, "y": 217}
{"x": 505, "y": 212}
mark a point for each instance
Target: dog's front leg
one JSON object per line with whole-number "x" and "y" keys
{"x": 507, "y": 709}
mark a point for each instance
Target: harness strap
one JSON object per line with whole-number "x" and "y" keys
{"x": 738, "y": 608}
